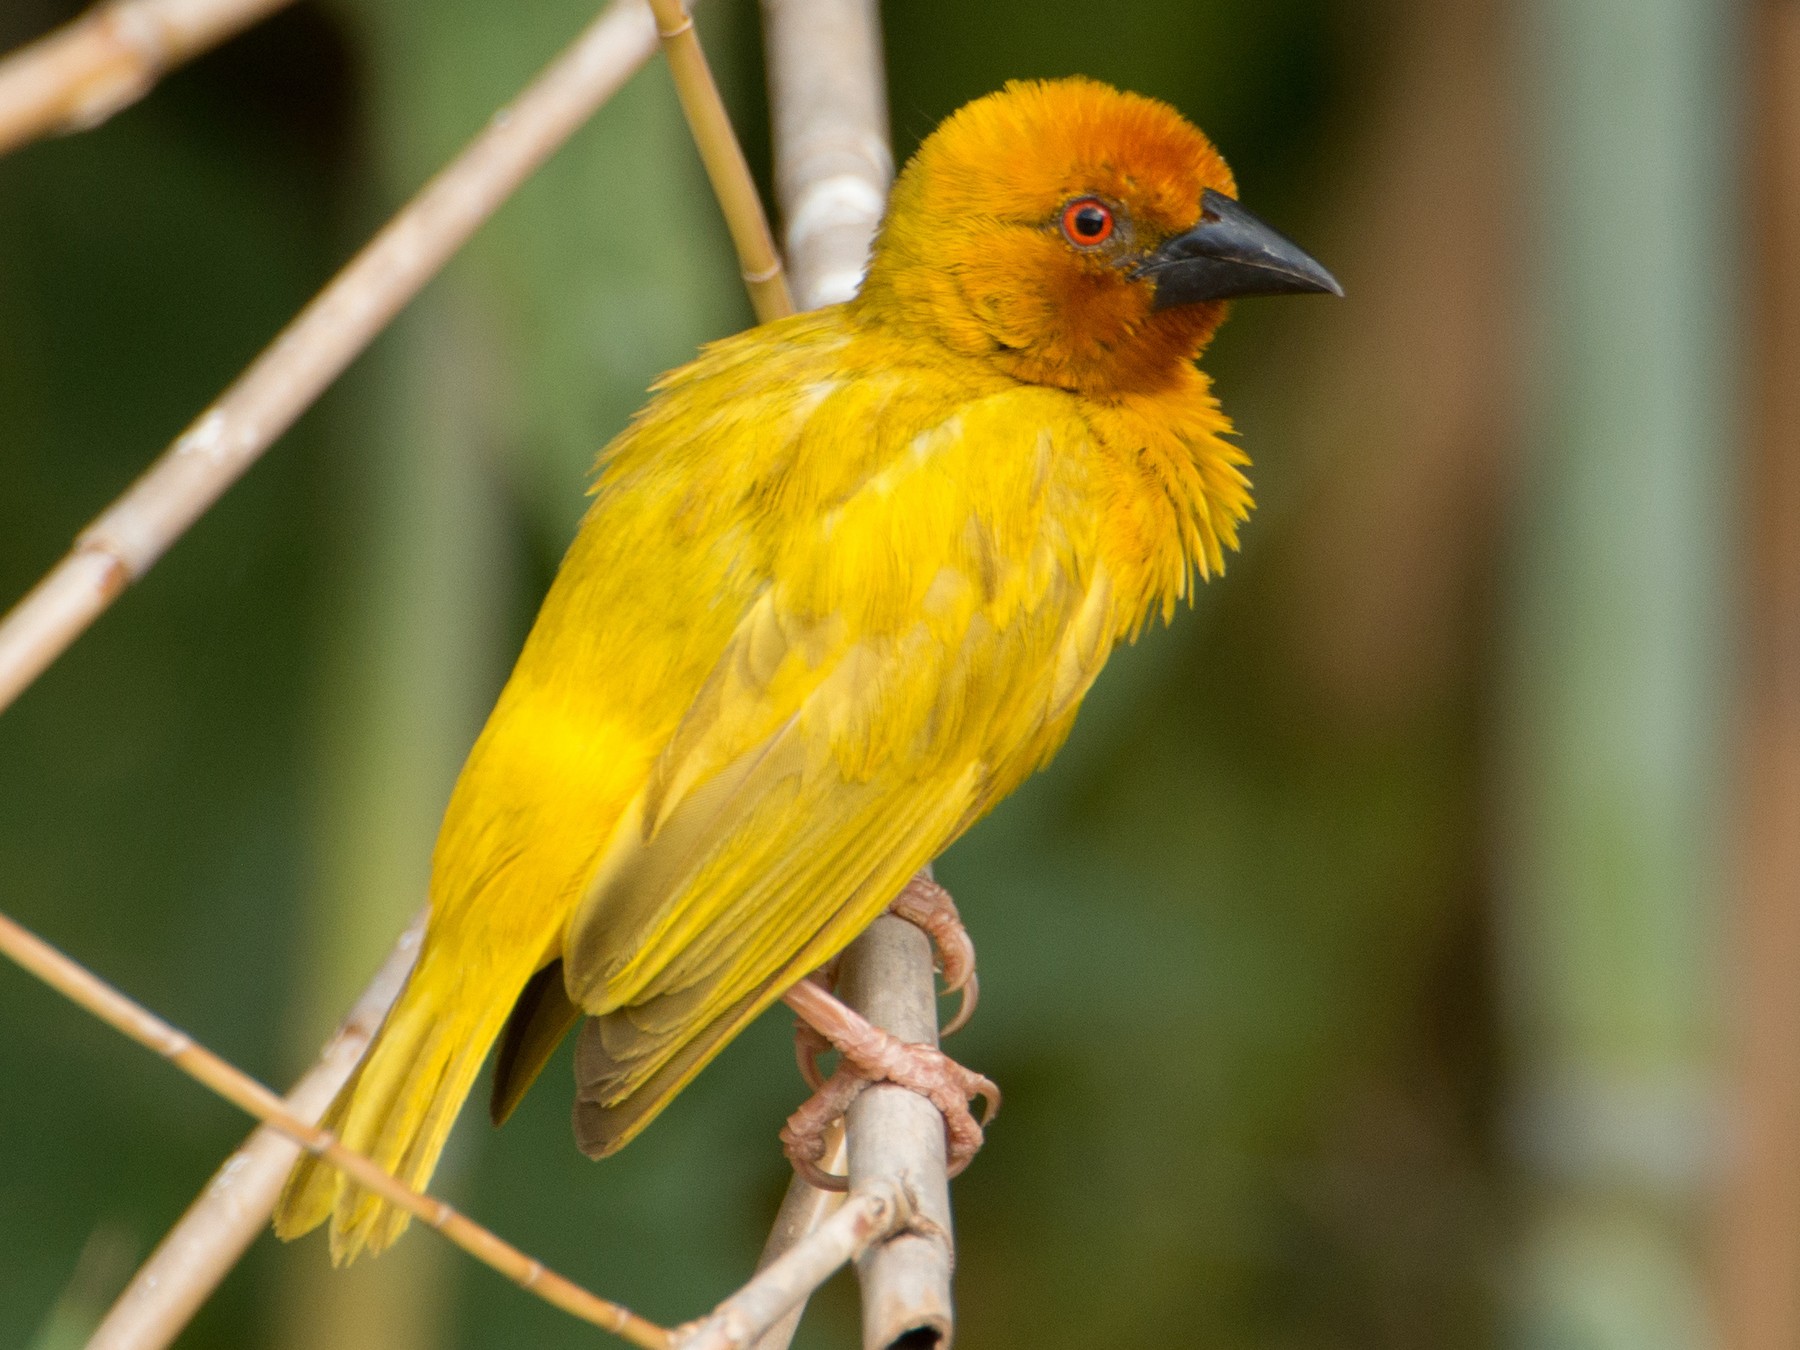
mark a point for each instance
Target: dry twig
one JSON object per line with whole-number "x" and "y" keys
{"x": 82, "y": 987}
{"x": 131, "y": 534}
{"x": 875, "y": 1211}
{"x": 220, "y": 1225}
{"x": 803, "y": 1209}
{"x": 109, "y": 58}
{"x": 871, "y": 1214}
{"x": 724, "y": 160}
{"x": 866, "y": 1217}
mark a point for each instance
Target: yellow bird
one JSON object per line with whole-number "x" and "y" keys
{"x": 843, "y": 586}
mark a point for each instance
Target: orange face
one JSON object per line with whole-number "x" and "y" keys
{"x": 1059, "y": 227}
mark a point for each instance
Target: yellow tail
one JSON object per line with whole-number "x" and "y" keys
{"x": 398, "y": 1107}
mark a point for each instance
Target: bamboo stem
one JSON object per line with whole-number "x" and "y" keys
{"x": 122, "y": 1014}
{"x": 828, "y": 100}
{"x": 803, "y": 1209}
{"x": 828, "y": 97}
{"x": 724, "y": 160}
{"x": 1620, "y": 619}
{"x": 208, "y": 1240}
{"x": 896, "y": 1136}
{"x": 228, "y": 437}
{"x": 822, "y": 1232}
{"x": 866, "y": 1217}
{"x": 107, "y": 59}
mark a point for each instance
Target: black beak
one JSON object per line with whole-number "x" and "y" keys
{"x": 1231, "y": 253}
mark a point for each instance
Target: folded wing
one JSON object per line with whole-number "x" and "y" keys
{"x": 819, "y": 768}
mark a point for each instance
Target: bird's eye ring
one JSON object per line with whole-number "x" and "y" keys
{"x": 1087, "y": 222}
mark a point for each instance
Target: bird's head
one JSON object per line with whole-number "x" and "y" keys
{"x": 1075, "y": 235}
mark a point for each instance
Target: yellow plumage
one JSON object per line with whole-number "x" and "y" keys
{"x": 843, "y": 586}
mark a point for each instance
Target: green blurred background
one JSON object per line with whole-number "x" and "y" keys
{"x": 1364, "y": 973}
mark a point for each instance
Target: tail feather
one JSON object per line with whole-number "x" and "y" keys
{"x": 397, "y": 1110}
{"x": 540, "y": 1020}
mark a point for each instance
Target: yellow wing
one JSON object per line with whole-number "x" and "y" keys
{"x": 847, "y": 735}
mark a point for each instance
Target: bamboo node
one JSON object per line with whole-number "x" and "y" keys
{"x": 145, "y": 56}
{"x": 118, "y": 574}
{"x": 844, "y": 199}
{"x": 135, "y": 29}
{"x": 205, "y": 438}
{"x": 924, "y": 1227}
{"x": 765, "y": 276}
{"x": 885, "y": 1208}
{"x": 320, "y": 1143}
{"x": 172, "y": 1044}
{"x": 685, "y": 26}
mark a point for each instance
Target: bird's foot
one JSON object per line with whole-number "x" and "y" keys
{"x": 871, "y": 1055}
{"x": 928, "y": 906}
{"x": 809, "y": 1041}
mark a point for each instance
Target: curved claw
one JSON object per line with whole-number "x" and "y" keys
{"x": 971, "y": 995}
{"x": 817, "y": 1177}
{"x": 803, "y": 1137}
{"x": 808, "y": 1046}
{"x": 963, "y": 1134}
{"x": 989, "y": 1092}
{"x": 928, "y": 906}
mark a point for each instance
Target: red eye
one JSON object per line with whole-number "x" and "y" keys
{"x": 1087, "y": 221}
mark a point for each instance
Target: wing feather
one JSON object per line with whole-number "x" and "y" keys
{"x": 630, "y": 1062}
{"x": 875, "y": 698}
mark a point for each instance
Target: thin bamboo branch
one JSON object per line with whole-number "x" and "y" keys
{"x": 109, "y": 58}
{"x": 897, "y": 1136}
{"x": 874, "y": 1211}
{"x": 724, "y": 160}
{"x": 81, "y": 986}
{"x": 803, "y": 1210}
{"x": 208, "y": 1240}
{"x": 866, "y": 1217}
{"x": 833, "y": 166}
{"x": 832, "y": 171}
{"x": 228, "y": 437}
{"x": 821, "y": 1232}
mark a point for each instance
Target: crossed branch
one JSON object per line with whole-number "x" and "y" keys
{"x": 833, "y": 167}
